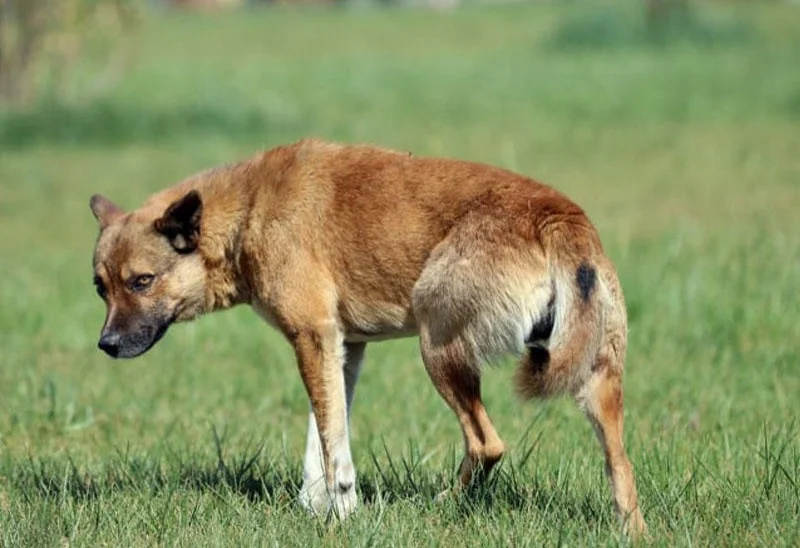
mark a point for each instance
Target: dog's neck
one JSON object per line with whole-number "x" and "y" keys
{"x": 225, "y": 214}
{"x": 227, "y": 193}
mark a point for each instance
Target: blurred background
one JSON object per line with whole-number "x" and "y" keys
{"x": 675, "y": 123}
{"x": 120, "y": 71}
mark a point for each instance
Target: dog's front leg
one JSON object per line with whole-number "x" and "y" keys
{"x": 321, "y": 358}
{"x": 314, "y": 484}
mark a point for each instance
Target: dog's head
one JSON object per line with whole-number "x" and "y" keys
{"x": 148, "y": 270}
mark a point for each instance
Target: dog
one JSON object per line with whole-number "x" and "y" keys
{"x": 339, "y": 245}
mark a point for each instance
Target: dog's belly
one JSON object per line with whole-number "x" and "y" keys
{"x": 359, "y": 336}
{"x": 376, "y": 321}
{"x": 385, "y": 323}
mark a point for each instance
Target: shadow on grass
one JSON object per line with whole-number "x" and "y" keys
{"x": 109, "y": 123}
{"x": 50, "y": 479}
{"x": 392, "y": 480}
{"x": 509, "y": 488}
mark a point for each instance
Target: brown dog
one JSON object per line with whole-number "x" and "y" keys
{"x": 339, "y": 245}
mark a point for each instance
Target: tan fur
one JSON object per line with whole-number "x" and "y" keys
{"x": 340, "y": 245}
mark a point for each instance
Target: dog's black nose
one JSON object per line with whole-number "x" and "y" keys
{"x": 109, "y": 343}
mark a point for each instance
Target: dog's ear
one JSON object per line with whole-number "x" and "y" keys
{"x": 104, "y": 210}
{"x": 181, "y": 222}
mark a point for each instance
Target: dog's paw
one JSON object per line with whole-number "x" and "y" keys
{"x": 321, "y": 502}
{"x": 314, "y": 498}
{"x": 344, "y": 503}
{"x": 635, "y": 526}
{"x": 448, "y": 494}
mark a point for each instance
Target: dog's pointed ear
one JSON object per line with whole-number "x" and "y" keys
{"x": 104, "y": 210}
{"x": 181, "y": 222}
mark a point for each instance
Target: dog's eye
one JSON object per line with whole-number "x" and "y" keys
{"x": 140, "y": 283}
{"x": 100, "y": 287}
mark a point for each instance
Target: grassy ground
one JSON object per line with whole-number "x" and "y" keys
{"x": 686, "y": 157}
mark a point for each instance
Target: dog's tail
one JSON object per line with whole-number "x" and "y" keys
{"x": 563, "y": 345}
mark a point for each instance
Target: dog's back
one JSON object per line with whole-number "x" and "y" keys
{"x": 375, "y": 218}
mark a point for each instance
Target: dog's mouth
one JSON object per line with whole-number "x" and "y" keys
{"x": 135, "y": 344}
{"x": 160, "y": 332}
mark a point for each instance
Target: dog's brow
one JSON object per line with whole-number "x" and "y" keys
{"x": 99, "y": 270}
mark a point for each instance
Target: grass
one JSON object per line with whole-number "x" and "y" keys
{"x": 685, "y": 156}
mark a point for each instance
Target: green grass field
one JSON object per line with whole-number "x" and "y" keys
{"x": 687, "y": 158}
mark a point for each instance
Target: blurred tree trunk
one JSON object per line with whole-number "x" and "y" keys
{"x": 40, "y": 40}
{"x": 205, "y": 4}
{"x": 660, "y": 14}
{"x": 23, "y": 27}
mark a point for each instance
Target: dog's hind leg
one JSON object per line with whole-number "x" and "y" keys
{"x": 477, "y": 298}
{"x": 314, "y": 485}
{"x": 458, "y": 382}
{"x": 601, "y": 399}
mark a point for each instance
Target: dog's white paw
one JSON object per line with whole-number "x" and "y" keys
{"x": 322, "y": 502}
{"x": 448, "y": 494}
{"x": 344, "y": 503}
{"x": 443, "y": 496}
{"x": 314, "y": 497}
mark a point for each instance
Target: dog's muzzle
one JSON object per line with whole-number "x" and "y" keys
{"x": 131, "y": 344}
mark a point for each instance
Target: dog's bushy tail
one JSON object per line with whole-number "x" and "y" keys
{"x": 579, "y": 301}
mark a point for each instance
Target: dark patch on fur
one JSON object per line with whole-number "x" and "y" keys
{"x": 586, "y": 277}
{"x": 538, "y": 354}
{"x": 542, "y": 329}
{"x": 538, "y": 358}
